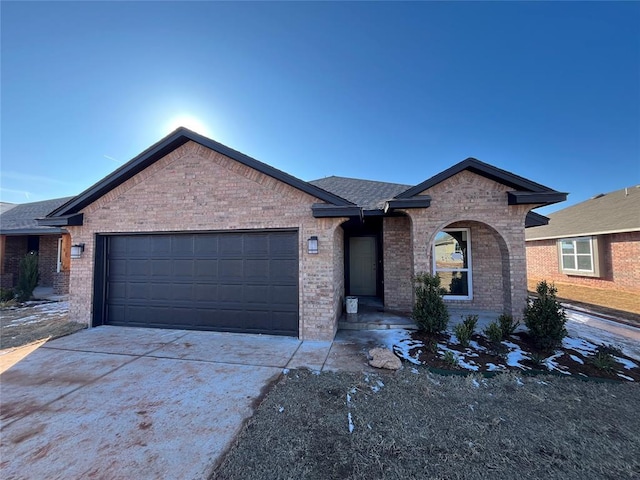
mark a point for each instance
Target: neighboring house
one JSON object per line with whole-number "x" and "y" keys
{"x": 21, "y": 234}
{"x": 191, "y": 234}
{"x": 595, "y": 243}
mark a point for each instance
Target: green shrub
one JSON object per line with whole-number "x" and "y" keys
{"x": 28, "y": 276}
{"x": 465, "y": 330}
{"x": 7, "y": 294}
{"x": 493, "y": 332}
{"x": 429, "y": 312}
{"x": 545, "y": 318}
{"x": 507, "y": 325}
{"x": 450, "y": 359}
{"x": 602, "y": 359}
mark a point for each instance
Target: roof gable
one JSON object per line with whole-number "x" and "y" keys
{"x": 516, "y": 182}
{"x": 162, "y": 148}
{"x": 368, "y": 194}
{"x": 614, "y": 212}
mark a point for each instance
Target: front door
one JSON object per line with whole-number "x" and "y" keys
{"x": 362, "y": 266}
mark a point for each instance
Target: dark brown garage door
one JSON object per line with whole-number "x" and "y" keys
{"x": 232, "y": 282}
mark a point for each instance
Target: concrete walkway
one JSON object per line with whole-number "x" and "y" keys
{"x": 122, "y": 403}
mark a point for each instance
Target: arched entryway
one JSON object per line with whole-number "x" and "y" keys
{"x": 472, "y": 259}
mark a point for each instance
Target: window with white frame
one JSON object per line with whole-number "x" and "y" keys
{"x": 452, "y": 262}
{"x": 579, "y": 256}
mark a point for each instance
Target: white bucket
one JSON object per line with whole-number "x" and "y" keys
{"x": 352, "y": 304}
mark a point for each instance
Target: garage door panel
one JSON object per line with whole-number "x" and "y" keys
{"x": 207, "y": 268}
{"x": 230, "y": 269}
{"x": 205, "y": 293}
{"x": 257, "y": 269}
{"x": 230, "y": 245}
{"x": 236, "y": 282}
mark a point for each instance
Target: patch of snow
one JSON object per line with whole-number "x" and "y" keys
{"x": 475, "y": 383}
{"x": 400, "y": 342}
{"x": 579, "y": 345}
{"x": 514, "y": 358}
{"x": 350, "y": 422}
{"x": 576, "y": 359}
{"x": 476, "y": 346}
{"x": 285, "y": 371}
{"x": 280, "y": 408}
{"x": 414, "y": 370}
{"x": 519, "y": 382}
{"x": 468, "y": 365}
{"x": 625, "y": 377}
{"x": 471, "y": 407}
{"x": 542, "y": 382}
{"x": 628, "y": 364}
{"x": 315, "y": 372}
{"x": 492, "y": 367}
{"x": 348, "y": 399}
{"x": 552, "y": 365}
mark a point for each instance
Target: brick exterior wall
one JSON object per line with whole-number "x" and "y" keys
{"x": 47, "y": 259}
{"x": 15, "y": 248}
{"x": 61, "y": 283}
{"x": 196, "y": 189}
{"x": 620, "y": 265}
{"x": 397, "y": 263}
{"x": 497, "y": 238}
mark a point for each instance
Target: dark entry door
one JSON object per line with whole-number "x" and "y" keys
{"x": 234, "y": 282}
{"x": 362, "y": 266}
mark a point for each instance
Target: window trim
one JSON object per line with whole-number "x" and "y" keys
{"x": 468, "y": 269}
{"x": 595, "y": 257}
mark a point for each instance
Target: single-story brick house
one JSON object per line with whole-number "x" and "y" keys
{"x": 595, "y": 243}
{"x": 21, "y": 234}
{"x": 192, "y": 234}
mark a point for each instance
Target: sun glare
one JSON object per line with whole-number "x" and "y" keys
{"x": 187, "y": 121}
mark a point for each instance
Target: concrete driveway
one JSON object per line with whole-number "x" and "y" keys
{"x": 123, "y": 403}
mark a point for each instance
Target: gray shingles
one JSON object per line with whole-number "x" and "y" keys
{"x": 21, "y": 219}
{"x": 615, "y": 211}
{"x": 368, "y": 194}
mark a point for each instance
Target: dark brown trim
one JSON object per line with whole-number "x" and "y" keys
{"x": 530, "y": 198}
{"x": 170, "y": 143}
{"x": 484, "y": 169}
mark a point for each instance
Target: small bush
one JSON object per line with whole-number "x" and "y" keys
{"x": 28, "y": 276}
{"x": 545, "y": 318}
{"x": 507, "y": 325}
{"x": 450, "y": 359}
{"x": 429, "y": 312}
{"x": 493, "y": 332}
{"x": 7, "y": 294}
{"x": 465, "y": 330}
{"x": 602, "y": 359}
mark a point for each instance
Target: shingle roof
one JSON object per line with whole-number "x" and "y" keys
{"x": 21, "y": 219}
{"x": 368, "y": 194}
{"x": 617, "y": 211}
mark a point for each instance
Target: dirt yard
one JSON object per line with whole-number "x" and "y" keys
{"x": 622, "y": 305}
{"x": 415, "y": 424}
{"x": 32, "y": 321}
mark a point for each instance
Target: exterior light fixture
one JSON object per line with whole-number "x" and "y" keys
{"x": 76, "y": 250}
{"x": 313, "y": 244}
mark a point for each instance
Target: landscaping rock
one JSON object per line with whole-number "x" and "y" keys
{"x": 384, "y": 358}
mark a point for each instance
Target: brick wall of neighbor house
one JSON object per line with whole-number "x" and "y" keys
{"x": 47, "y": 259}
{"x": 463, "y": 200}
{"x": 397, "y": 264}
{"x": 621, "y": 267}
{"x": 15, "y": 248}
{"x": 194, "y": 188}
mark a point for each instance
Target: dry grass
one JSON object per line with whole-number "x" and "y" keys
{"x": 615, "y": 303}
{"x": 414, "y": 424}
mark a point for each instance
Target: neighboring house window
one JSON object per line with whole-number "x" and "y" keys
{"x": 452, "y": 262}
{"x": 579, "y": 256}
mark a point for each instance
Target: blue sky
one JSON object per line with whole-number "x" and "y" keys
{"x": 384, "y": 91}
